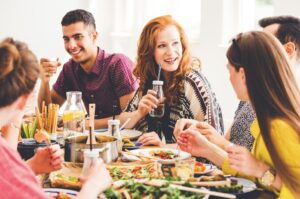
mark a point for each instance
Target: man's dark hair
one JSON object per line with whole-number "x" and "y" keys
{"x": 288, "y": 30}
{"x": 79, "y": 15}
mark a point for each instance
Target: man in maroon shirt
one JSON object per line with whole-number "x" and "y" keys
{"x": 104, "y": 79}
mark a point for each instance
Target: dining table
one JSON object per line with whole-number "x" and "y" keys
{"x": 255, "y": 194}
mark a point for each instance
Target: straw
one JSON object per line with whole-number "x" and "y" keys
{"x": 91, "y": 145}
{"x": 125, "y": 123}
{"x": 114, "y": 111}
{"x": 159, "y": 69}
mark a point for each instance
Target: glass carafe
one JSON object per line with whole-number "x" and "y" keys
{"x": 160, "y": 110}
{"x": 74, "y": 114}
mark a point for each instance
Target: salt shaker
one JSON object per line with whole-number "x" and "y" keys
{"x": 114, "y": 130}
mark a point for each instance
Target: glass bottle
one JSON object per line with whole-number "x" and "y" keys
{"x": 160, "y": 110}
{"x": 114, "y": 130}
{"x": 74, "y": 114}
{"x": 89, "y": 156}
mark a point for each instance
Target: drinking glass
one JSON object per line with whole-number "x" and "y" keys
{"x": 185, "y": 168}
{"x": 160, "y": 110}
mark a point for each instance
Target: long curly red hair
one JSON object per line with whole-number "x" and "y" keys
{"x": 146, "y": 68}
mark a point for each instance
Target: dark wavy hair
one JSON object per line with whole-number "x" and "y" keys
{"x": 19, "y": 71}
{"x": 146, "y": 69}
{"x": 272, "y": 90}
{"x": 79, "y": 15}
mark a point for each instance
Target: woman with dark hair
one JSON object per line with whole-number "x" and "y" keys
{"x": 260, "y": 73}
{"x": 19, "y": 71}
{"x": 187, "y": 92}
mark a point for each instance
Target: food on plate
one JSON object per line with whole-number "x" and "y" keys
{"x": 233, "y": 187}
{"x": 218, "y": 177}
{"x": 127, "y": 142}
{"x": 64, "y": 181}
{"x": 163, "y": 154}
{"x": 104, "y": 138}
{"x": 67, "y": 177}
{"x": 133, "y": 189}
{"x": 41, "y": 136}
{"x": 126, "y": 172}
{"x": 199, "y": 167}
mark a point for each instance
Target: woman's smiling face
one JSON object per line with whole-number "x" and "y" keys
{"x": 168, "y": 49}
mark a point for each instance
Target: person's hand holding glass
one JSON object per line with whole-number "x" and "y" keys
{"x": 159, "y": 111}
{"x": 49, "y": 67}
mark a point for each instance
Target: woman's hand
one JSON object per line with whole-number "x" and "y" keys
{"x": 211, "y": 134}
{"x": 241, "y": 159}
{"x": 147, "y": 103}
{"x": 48, "y": 68}
{"x": 183, "y": 124}
{"x": 193, "y": 142}
{"x": 46, "y": 159}
{"x": 150, "y": 139}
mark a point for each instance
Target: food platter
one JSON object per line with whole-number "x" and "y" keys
{"x": 149, "y": 152}
{"x": 59, "y": 193}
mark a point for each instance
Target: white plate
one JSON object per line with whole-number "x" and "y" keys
{"x": 55, "y": 191}
{"x": 100, "y": 130}
{"x": 208, "y": 168}
{"x": 248, "y": 186}
{"x": 131, "y": 133}
{"x": 146, "y": 152}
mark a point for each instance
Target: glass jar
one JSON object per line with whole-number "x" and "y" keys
{"x": 89, "y": 156}
{"x": 114, "y": 130}
{"x": 160, "y": 110}
{"x": 74, "y": 114}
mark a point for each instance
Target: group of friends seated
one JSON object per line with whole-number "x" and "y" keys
{"x": 261, "y": 144}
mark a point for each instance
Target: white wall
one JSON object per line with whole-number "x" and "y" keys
{"x": 37, "y": 22}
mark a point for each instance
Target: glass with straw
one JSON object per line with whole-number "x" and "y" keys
{"x": 158, "y": 87}
{"x": 89, "y": 156}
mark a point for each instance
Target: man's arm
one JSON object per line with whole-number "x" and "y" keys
{"x": 48, "y": 67}
{"x": 49, "y": 96}
{"x": 56, "y": 98}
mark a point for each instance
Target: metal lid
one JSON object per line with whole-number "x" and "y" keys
{"x": 158, "y": 82}
{"x": 113, "y": 122}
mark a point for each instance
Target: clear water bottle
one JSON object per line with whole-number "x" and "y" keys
{"x": 74, "y": 114}
{"x": 114, "y": 130}
{"x": 160, "y": 110}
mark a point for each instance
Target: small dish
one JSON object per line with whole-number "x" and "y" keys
{"x": 137, "y": 145}
{"x": 54, "y": 192}
{"x": 208, "y": 168}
